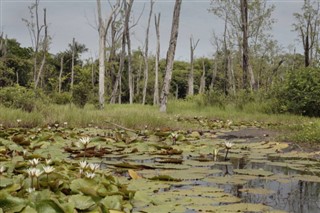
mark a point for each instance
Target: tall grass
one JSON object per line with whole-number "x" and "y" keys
{"x": 137, "y": 116}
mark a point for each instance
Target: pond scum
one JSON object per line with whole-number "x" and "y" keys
{"x": 61, "y": 169}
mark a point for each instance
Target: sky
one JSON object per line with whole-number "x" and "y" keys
{"x": 70, "y": 19}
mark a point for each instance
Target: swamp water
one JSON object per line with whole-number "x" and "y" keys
{"x": 260, "y": 175}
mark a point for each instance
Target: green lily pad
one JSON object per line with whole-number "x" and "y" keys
{"x": 255, "y": 172}
{"x": 81, "y": 202}
{"x": 112, "y": 202}
{"x": 11, "y": 204}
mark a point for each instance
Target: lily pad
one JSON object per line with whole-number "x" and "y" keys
{"x": 255, "y": 172}
{"x": 81, "y": 202}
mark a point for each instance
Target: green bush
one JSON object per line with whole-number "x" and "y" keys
{"x": 61, "y": 98}
{"x": 80, "y": 95}
{"x": 242, "y": 98}
{"x": 300, "y": 92}
{"x": 210, "y": 98}
{"x": 21, "y": 98}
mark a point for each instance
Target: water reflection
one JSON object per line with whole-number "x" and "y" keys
{"x": 289, "y": 194}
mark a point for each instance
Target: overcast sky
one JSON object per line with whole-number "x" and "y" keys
{"x": 75, "y": 18}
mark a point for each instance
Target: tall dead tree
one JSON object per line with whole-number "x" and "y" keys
{"x": 203, "y": 79}
{"x": 245, "y": 47}
{"x": 60, "y": 73}
{"x": 156, "y": 80}
{"x": 73, "y": 49}
{"x": 170, "y": 56}
{"x": 145, "y": 56}
{"x": 193, "y": 46}
{"x": 127, "y": 5}
{"x": 242, "y": 31}
{"x": 39, "y": 41}
{"x": 103, "y": 26}
{"x": 130, "y": 75}
{"x": 307, "y": 26}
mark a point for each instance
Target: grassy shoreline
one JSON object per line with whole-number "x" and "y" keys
{"x": 137, "y": 116}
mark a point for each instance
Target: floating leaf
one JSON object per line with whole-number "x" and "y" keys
{"x": 11, "y": 204}
{"x": 259, "y": 191}
{"x": 133, "y": 174}
{"x": 255, "y": 172}
{"x": 81, "y": 202}
{"x": 48, "y": 206}
{"x": 112, "y": 202}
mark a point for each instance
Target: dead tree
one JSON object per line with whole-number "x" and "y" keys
{"x": 72, "y": 62}
{"x": 145, "y": 56}
{"x": 170, "y": 56}
{"x": 307, "y": 26}
{"x": 193, "y": 46}
{"x": 103, "y": 26}
{"x": 156, "y": 81}
{"x": 44, "y": 48}
{"x": 60, "y": 73}
{"x": 203, "y": 79}
{"x": 37, "y": 39}
{"x": 130, "y": 75}
{"x": 117, "y": 85}
{"x": 245, "y": 47}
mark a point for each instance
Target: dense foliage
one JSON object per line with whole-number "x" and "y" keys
{"x": 300, "y": 92}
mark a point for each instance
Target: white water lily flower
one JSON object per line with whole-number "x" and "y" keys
{"x": 90, "y": 175}
{"x": 174, "y": 135}
{"x": 18, "y": 120}
{"x": 228, "y": 144}
{"x": 38, "y": 172}
{"x": 29, "y": 190}
{"x": 34, "y": 161}
{"x": 65, "y": 123}
{"x": 83, "y": 164}
{"x": 48, "y": 161}
{"x": 93, "y": 166}
{"x": 2, "y": 169}
{"x": 31, "y": 172}
{"x": 48, "y": 169}
{"x": 85, "y": 140}
{"x": 56, "y": 125}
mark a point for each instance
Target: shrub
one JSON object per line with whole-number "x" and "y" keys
{"x": 300, "y": 92}
{"x": 80, "y": 95}
{"x": 61, "y": 98}
{"x": 210, "y": 98}
{"x": 242, "y": 98}
{"x": 21, "y": 98}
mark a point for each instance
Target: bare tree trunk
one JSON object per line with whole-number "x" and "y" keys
{"x": 139, "y": 76}
{"x": 130, "y": 77}
{"x": 193, "y": 46}
{"x": 45, "y": 44}
{"x": 92, "y": 72}
{"x": 146, "y": 66}
{"x": 117, "y": 84}
{"x": 214, "y": 73}
{"x": 245, "y": 48}
{"x": 72, "y": 63}
{"x": 226, "y": 58}
{"x": 231, "y": 81}
{"x": 156, "y": 81}
{"x": 253, "y": 85}
{"x": 170, "y": 56}
{"x": 60, "y": 73}
{"x": 203, "y": 79}
{"x": 103, "y": 29}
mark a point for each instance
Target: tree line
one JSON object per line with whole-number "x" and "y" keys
{"x": 246, "y": 57}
